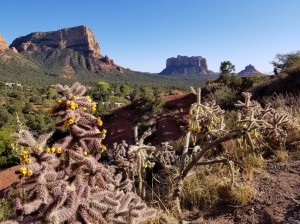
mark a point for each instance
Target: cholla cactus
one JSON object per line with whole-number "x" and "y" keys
{"x": 165, "y": 155}
{"x": 134, "y": 159}
{"x": 205, "y": 120}
{"x": 207, "y": 130}
{"x": 64, "y": 183}
{"x": 120, "y": 156}
{"x": 260, "y": 123}
{"x": 143, "y": 154}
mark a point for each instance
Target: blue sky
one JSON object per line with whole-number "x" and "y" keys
{"x": 142, "y": 34}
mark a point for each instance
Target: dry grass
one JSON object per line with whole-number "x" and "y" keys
{"x": 243, "y": 194}
{"x": 252, "y": 163}
{"x": 206, "y": 188}
{"x": 6, "y": 209}
{"x": 162, "y": 218}
{"x": 281, "y": 155}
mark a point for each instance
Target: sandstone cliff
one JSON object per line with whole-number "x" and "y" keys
{"x": 184, "y": 61}
{"x": 3, "y": 44}
{"x": 78, "y": 38}
{"x": 183, "y": 65}
{"x": 249, "y": 70}
{"x": 66, "y": 52}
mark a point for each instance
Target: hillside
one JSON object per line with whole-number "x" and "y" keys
{"x": 73, "y": 54}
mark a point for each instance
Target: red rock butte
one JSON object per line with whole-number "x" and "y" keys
{"x": 79, "y": 38}
{"x": 194, "y": 61}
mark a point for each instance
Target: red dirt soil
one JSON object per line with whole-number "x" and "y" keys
{"x": 120, "y": 123}
{"x": 8, "y": 177}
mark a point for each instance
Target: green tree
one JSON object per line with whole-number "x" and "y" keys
{"x": 5, "y": 116}
{"x": 283, "y": 62}
{"x": 28, "y": 108}
{"x": 101, "y": 92}
{"x": 125, "y": 90}
{"x": 227, "y": 67}
{"x": 51, "y": 93}
{"x": 8, "y": 156}
{"x": 227, "y": 76}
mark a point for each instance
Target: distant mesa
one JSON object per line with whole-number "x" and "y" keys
{"x": 3, "y": 44}
{"x": 249, "y": 70}
{"x": 69, "y": 50}
{"x": 186, "y": 66}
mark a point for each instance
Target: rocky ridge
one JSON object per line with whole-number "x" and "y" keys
{"x": 249, "y": 70}
{"x": 184, "y": 65}
{"x": 3, "y": 44}
{"x": 70, "y": 51}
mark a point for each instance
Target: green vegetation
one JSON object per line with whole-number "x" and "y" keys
{"x": 67, "y": 66}
{"x": 213, "y": 164}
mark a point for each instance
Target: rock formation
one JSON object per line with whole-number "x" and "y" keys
{"x": 3, "y": 44}
{"x": 70, "y": 48}
{"x": 183, "y": 65}
{"x": 249, "y": 71}
{"x": 78, "y": 38}
{"x": 184, "y": 61}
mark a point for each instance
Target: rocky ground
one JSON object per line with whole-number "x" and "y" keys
{"x": 277, "y": 199}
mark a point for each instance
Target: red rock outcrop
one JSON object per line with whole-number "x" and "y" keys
{"x": 249, "y": 70}
{"x": 186, "y": 66}
{"x": 79, "y": 38}
{"x": 3, "y": 44}
{"x": 72, "y": 48}
{"x": 184, "y": 61}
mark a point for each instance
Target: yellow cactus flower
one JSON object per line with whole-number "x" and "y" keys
{"x": 103, "y": 148}
{"x": 28, "y": 161}
{"x": 58, "y": 101}
{"x": 58, "y": 150}
{"x": 68, "y": 102}
{"x": 39, "y": 148}
{"x": 73, "y": 98}
{"x": 47, "y": 150}
{"x": 104, "y": 131}
{"x": 73, "y": 107}
{"x": 94, "y": 107}
{"x": 29, "y": 172}
{"x": 100, "y": 139}
{"x": 254, "y": 134}
{"x": 210, "y": 128}
{"x": 99, "y": 121}
{"x": 217, "y": 119}
{"x": 22, "y": 169}
{"x": 201, "y": 110}
{"x": 85, "y": 153}
{"x": 53, "y": 149}
{"x": 84, "y": 108}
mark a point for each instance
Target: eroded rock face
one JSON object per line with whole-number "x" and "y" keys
{"x": 184, "y": 61}
{"x": 184, "y": 65}
{"x": 3, "y": 44}
{"x": 67, "y": 50}
{"x": 249, "y": 70}
{"x": 79, "y": 38}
